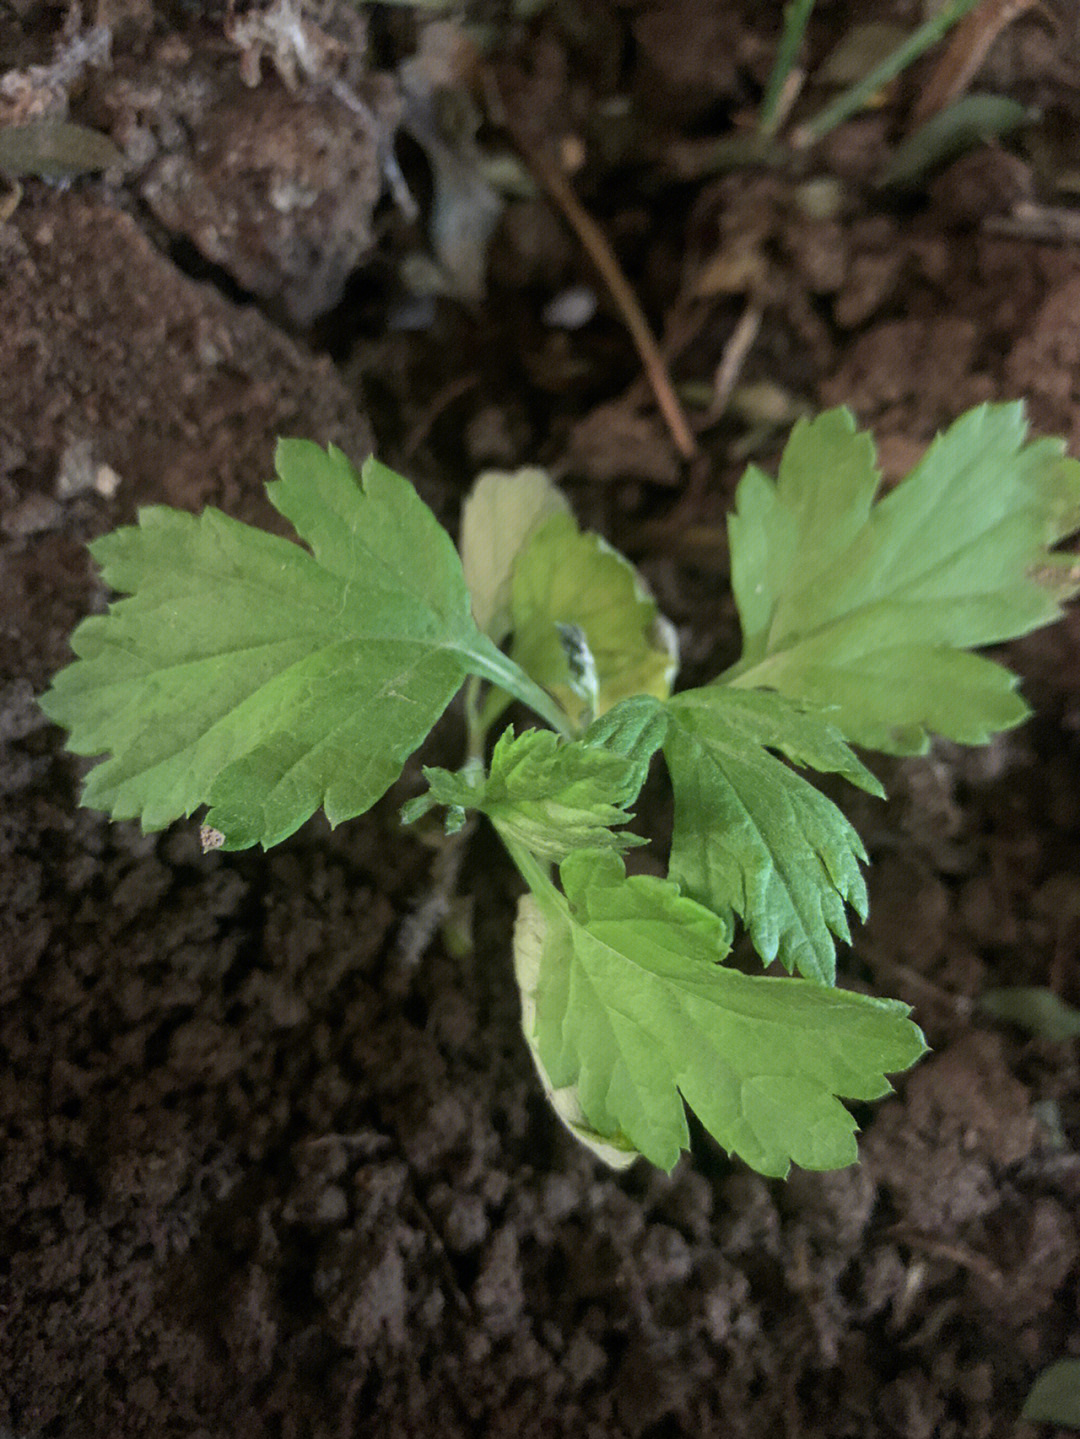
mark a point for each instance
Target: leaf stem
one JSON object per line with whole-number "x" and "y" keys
{"x": 489, "y": 663}
{"x": 535, "y": 874}
{"x": 475, "y": 729}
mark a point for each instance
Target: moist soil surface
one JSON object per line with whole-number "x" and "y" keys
{"x": 274, "y": 1157}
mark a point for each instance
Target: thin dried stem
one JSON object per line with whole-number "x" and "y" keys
{"x": 966, "y": 51}
{"x": 601, "y": 254}
{"x": 739, "y": 344}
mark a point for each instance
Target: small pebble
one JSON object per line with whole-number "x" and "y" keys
{"x": 820, "y": 199}
{"x": 332, "y": 1205}
{"x": 571, "y": 309}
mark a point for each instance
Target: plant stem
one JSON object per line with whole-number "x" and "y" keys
{"x": 796, "y": 16}
{"x": 475, "y": 729}
{"x": 535, "y": 874}
{"x": 854, "y": 98}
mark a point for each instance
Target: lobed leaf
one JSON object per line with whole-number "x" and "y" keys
{"x": 630, "y": 1012}
{"x": 870, "y": 608}
{"x": 263, "y": 678}
{"x": 754, "y": 838}
{"x": 574, "y": 580}
{"x": 634, "y": 728}
{"x": 502, "y": 510}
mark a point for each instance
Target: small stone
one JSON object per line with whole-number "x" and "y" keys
{"x": 571, "y": 309}
{"x": 821, "y": 198}
{"x": 106, "y": 481}
{"x": 332, "y": 1205}
{"x": 144, "y": 1393}
{"x": 76, "y": 472}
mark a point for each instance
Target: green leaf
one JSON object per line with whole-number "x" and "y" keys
{"x": 635, "y": 728}
{"x": 1038, "y": 1010}
{"x": 550, "y": 795}
{"x": 564, "y": 577}
{"x": 753, "y": 837}
{"x": 870, "y": 609}
{"x": 785, "y": 536}
{"x": 56, "y": 150}
{"x": 268, "y": 680}
{"x": 966, "y": 123}
{"x": 1055, "y": 1396}
{"x": 501, "y": 512}
{"x": 629, "y": 1009}
{"x": 530, "y": 936}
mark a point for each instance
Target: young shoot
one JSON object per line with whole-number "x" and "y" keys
{"x": 266, "y": 679}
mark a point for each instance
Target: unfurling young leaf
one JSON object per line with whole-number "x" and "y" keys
{"x": 550, "y": 795}
{"x": 870, "y": 609}
{"x": 566, "y": 577}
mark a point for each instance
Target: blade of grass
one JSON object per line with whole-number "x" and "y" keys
{"x": 856, "y": 96}
{"x": 970, "y": 121}
{"x": 796, "y": 17}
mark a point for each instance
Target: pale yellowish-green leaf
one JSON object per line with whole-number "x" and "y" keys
{"x": 574, "y": 579}
{"x": 502, "y": 510}
{"x": 530, "y": 930}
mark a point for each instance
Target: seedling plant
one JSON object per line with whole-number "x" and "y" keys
{"x": 267, "y": 679}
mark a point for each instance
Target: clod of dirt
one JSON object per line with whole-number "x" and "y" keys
{"x": 270, "y": 173}
{"x": 965, "y": 1121}
{"x": 278, "y": 190}
{"x": 1045, "y": 361}
{"x": 687, "y": 57}
{"x": 183, "y": 392}
{"x": 253, "y": 1180}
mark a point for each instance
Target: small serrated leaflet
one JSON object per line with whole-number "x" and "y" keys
{"x": 550, "y": 795}
{"x": 753, "y": 837}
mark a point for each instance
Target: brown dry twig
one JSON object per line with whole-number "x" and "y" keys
{"x": 960, "y": 1006}
{"x": 436, "y": 408}
{"x": 966, "y": 51}
{"x": 961, "y": 1255}
{"x": 738, "y": 347}
{"x": 596, "y": 246}
{"x": 1044, "y": 224}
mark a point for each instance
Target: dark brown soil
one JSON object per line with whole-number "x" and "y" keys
{"x": 259, "y": 1176}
